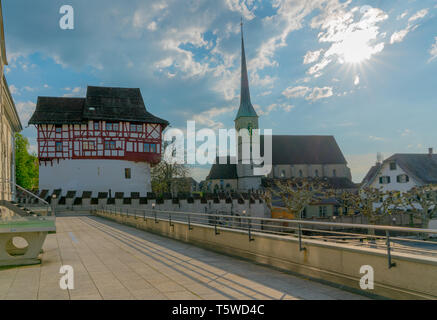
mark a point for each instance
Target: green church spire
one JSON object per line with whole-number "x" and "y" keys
{"x": 246, "y": 108}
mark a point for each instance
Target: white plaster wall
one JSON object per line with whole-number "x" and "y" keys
{"x": 393, "y": 185}
{"x": 96, "y": 176}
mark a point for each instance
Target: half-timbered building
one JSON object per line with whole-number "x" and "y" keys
{"x": 105, "y": 142}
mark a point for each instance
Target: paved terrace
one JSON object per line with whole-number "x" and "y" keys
{"x": 112, "y": 261}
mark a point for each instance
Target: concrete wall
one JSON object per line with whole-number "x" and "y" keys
{"x": 9, "y": 124}
{"x": 96, "y": 176}
{"x": 413, "y": 277}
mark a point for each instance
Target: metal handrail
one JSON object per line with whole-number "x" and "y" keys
{"x": 248, "y": 224}
{"x": 304, "y": 222}
{"x": 27, "y": 192}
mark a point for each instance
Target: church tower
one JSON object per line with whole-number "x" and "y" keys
{"x": 246, "y": 119}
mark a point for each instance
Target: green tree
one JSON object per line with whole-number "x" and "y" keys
{"x": 26, "y": 165}
{"x": 164, "y": 173}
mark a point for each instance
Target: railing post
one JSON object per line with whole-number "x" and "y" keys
{"x": 390, "y": 263}
{"x": 156, "y": 218}
{"x": 144, "y": 215}
{"x": 215, "y": 226}
{"x": 189, "y": 222}
{"x": 250, "y": 234}
{"x": 169, "y": 220}
{"x": 300, "y": 239}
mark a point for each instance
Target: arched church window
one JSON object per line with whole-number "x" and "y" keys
{"x": 334, "y": 173}
{"x": 300, "y": 174}
{"x": 317, "y": 173}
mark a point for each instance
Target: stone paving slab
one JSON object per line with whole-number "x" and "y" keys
{"x": 113, "y": 261}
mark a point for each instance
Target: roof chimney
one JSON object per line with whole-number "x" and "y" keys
{"x": 379, "y": 158}
{"x": 430, "y": 152}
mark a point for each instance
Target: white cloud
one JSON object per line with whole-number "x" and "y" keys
{"x": 152, "y": 26}
{"x": 315, "y": 69}
{"x": 353, "y": 38}
{"x": 207, "y": 117}
{"x": 374, "y": 138}
{"x": 402, "y": 15}
{"x": 320, "y": 93}
{"x": 433, "y": 50}
{"x": 312, "y": 56}
{"x": 357, "y": 80}
{"x": 399, "y": 36}
{"x": 295, "y": 92}
{"x": 29, "y": 89}
{"x": 272, "y": 107}
{"x": 406, "y": 132}
{"x": 75, "y": 92}
{"x": 13, "y": 89}
{"x": 418, "y": 15}
{"x": 25, "y": 110}
{"x": 242, "y": 7}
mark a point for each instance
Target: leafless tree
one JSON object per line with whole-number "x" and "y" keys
{"x": 422, "y": 203}
{"x": 164, "y": 173}
{"x": 296, "y": 194}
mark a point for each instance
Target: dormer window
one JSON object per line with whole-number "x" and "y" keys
{"x": 96, "y": 126}
{"x": 58, "y": 128}
{"x": 392, "y": 166}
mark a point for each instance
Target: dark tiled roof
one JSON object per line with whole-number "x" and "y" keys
{"x": 58, "y": 111}
{"x": 422, "y": 166}
{"x": 223, "y": 171}
{"x": 101, "y": 103}
{"x": 290, "y": 150}
{"x": 124, "y": 104}
{"x": 305, "y": 150}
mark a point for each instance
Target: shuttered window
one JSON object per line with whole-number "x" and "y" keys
{"x": 384, "y": 180}
{"x": 402, "y": 178}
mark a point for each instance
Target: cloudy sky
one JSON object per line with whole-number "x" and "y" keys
{"x": 363, "y": 71}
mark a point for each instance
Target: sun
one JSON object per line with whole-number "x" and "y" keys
{"x": 356, "y": 47}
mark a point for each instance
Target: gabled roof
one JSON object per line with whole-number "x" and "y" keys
{"x": 293, "y": 150}
{"x": 58, "y": 111}
{"x": 423, "y": 167}
{"x": 223, "y": 171}
{"x": 371, "y": 174}
{"x": 101, "y": 103}
{"x": 123, "y": 104}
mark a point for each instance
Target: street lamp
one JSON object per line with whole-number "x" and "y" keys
{"x": 53, "y": 204}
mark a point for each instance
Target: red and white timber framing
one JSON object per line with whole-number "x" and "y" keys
{"x": 138, "y": 142}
